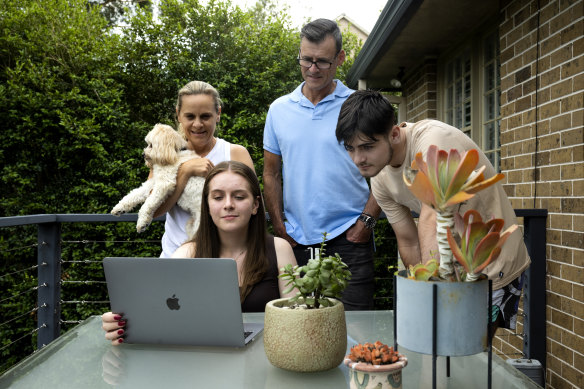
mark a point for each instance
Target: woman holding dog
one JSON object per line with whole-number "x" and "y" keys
{"x": 233, "y": 225}
{"x": 198, "y": 111}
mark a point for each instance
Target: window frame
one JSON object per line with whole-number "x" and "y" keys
{"x": 475, "y": 44}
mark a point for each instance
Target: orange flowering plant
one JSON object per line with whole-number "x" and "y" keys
{"x": 374, "y": 353}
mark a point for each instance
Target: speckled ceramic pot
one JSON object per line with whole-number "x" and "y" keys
{"x": 305, "y": 340}
{"x": 368, "y": 376}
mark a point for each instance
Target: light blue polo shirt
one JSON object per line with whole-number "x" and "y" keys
{"x": 322, "y": 188}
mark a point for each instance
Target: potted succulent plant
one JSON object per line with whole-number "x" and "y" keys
{"x": 375, "y": 366}
{"x": 308, "y": 332}
{"x": 444, "y": 180}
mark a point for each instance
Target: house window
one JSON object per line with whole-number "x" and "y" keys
{"x": 472, "y": 91}
{"x": 491, "y": 100}
{"x": 458, "y": 92}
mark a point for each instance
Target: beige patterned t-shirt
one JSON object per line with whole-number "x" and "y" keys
{"x": 397, "y": 201}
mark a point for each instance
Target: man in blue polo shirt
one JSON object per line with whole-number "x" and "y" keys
{"x": 323, "y": 190}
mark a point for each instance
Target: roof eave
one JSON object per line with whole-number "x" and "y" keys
{"x": 393, "y": 19}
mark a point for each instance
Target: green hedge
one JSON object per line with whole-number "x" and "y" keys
{"x": 79, "y": 90}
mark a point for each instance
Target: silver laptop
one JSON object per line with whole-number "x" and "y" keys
{"x": 178, "y": 301}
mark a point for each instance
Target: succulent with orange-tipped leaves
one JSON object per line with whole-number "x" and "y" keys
{"x": 446, "y": 179}
{"x": 442, "y": 181}
{"x": 480, "y": 242}
{"x": 423, "y": 271}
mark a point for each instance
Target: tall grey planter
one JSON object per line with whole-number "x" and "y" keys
{"x": 462, "y": 316}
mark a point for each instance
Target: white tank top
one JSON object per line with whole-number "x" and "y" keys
{"x": 176, "y": 219}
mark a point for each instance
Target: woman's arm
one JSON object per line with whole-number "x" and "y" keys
{"x": 193, "y": 167}
{"x": 285, "y": 256}
{"x": 199, "y": 167}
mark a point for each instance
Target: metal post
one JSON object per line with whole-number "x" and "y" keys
{"x": 49, "y": 283}
{"x": 395, "y": 312}
{"x": 434, "y": 332}
{"x": 489, "y": 337}
{"x": 534, "y": 296}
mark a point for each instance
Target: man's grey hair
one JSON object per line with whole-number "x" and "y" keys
{"x": 317, "y": 31}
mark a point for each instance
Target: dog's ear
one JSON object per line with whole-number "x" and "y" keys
{"x": 163, "y": 145}
{"x": 147, "y": 152}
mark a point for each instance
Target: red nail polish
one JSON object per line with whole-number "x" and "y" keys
{"x": 120, "y": 340}
{"x": 121, "y": 323}
{"x": 117, "y": 317}
{"x": 120, "y": 332}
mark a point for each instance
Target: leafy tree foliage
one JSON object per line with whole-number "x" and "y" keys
{"x": 76, "y": 99}
{"x": 81, "y": 83}
{"x": 352, "y": 46}
{"x": 62, "y": 111}
{"x": 250, "y": 64}
{"x": 118, "y": 11}
{"x": 61, "y": 108}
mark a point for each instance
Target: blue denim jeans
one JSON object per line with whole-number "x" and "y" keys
{"x": 359, "y": 257}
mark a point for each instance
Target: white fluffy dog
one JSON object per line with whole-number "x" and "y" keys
{"x": 166, "y": 149}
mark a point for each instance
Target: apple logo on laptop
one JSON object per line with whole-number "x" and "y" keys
{"x": 172, "y": 302}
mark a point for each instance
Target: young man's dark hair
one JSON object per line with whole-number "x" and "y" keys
{"x": 367, "y": 112}
{"x": 317, "y": 31}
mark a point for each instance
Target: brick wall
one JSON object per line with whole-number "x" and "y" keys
{"x": 420, "y": 89}
{"x": 543, "y": 162}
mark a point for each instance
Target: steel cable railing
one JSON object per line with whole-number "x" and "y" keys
{"x": 60, "y": 294}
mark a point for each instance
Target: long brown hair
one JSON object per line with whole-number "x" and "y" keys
{"x": 208, "y": 244}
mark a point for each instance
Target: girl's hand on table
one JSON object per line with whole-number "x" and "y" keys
{"x": 113, "y": 324}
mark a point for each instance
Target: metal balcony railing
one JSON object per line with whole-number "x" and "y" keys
{"x": 49, "y": 277}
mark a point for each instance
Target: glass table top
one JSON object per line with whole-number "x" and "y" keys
{"x": 82, "y": 358}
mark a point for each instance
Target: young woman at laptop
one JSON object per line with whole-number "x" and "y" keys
{"x": 233, "y": 225}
